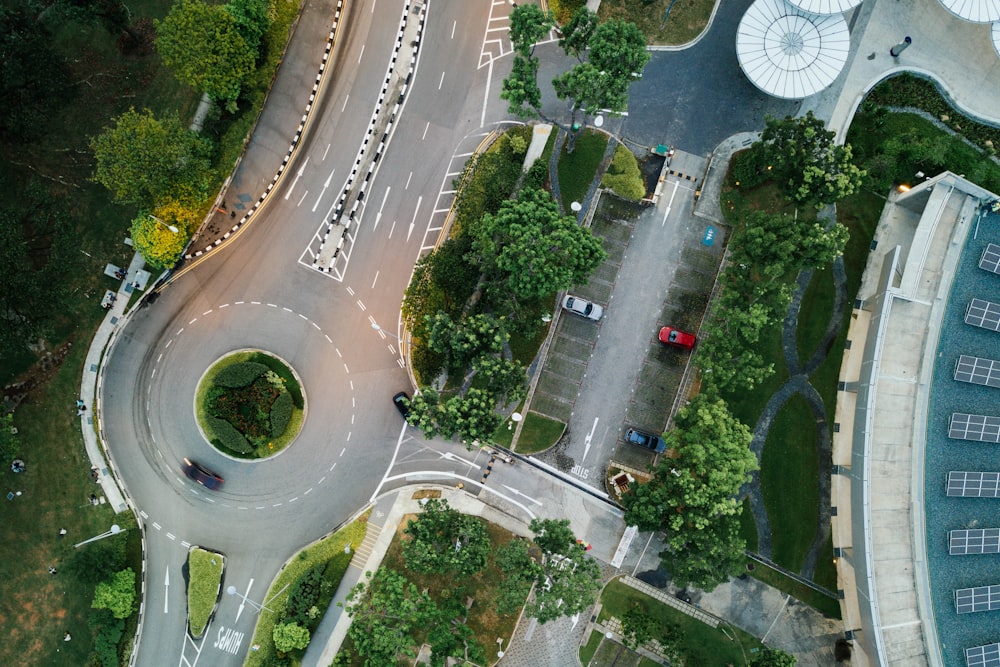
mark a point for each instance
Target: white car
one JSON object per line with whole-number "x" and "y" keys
{"x": 575, "y": 304}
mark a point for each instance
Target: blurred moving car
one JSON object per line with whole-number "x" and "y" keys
{"x": 588, "y": 309}
{"x": 402, "y": 403}
{"x": 645, "y": 440}
{"x": 202, "y": 475}
{"x": 677, "y": 338}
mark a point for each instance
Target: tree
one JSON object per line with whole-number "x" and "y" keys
{"x": 383, "y": 610}
{"x": 203, "y": 45}
{"x": 569, "y": 580}
{"x": 442, "y": 540}
{"x": 449, "y": 636}
{"x": 505, "y": 378}
{"x": 159, "y": 245}
{"x": 143, "y": 159}
{"x": 782, "y": 245}
{"x": 533, "y": 250}
{"x": 472, "y": 417}
{"x": 425, "y": 409}
{"x": 253, "y": 18}
{"x": 692, "y": 496}
{"x": 290, "y": 637}
{"x": 616, "y": 52}
{"x": 520, "y": 571}
{"x": 772, "y": 657}
{"x": 528, "y": 24}
{"x": 117, "y": 595}
{"x": 576, "y": 33}
{"x": 520, "y": 90}
{"x": 805, "y": 161}
{"x": 462, "y": 341}
{"x": 32, "y": 75}
{"x": 638, "y": 625}
{"x": 623, "y": 175}
{"x": 97, "y": 562}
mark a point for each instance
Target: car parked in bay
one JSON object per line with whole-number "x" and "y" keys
{"x": 634, "y": 436}
{"x": 676, "y": 338}
{"x": 582, "y": 307}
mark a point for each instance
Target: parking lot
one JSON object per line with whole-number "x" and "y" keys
{"x": 602, "y": 377}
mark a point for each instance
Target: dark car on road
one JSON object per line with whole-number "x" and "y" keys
{"x": 645, "y": 440}
{"x": 402, "y": 403}
{"x": 677, "y": 338}
{"x": 202, "y": 475}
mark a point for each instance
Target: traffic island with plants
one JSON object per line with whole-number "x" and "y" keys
{"x": 300, "y": 595}
{"x": 250, "y": 405}
{"x": 204, "y": 574}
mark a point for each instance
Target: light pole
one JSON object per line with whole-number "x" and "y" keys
{"x": 499, "y": 647}
{"x": 170, "y": 227}
{"x": 231, "y": 590}
{"x": 383, "y": 332}
{"x": 115, "y": 529}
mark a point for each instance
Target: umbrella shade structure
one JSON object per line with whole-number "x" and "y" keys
{"x": 995, "y": 34}
{"x": 825, "y": 7}
{"x": 975, "y": 11}
{"x": 789, "y": 53}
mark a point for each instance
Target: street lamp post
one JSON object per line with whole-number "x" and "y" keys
{"x": 115, "y": 529}
{"x": 499, "y": 647}
{"x": 383, "y": 332}
{"x": 170, "y": 227}
{"x": 231, "y": 590}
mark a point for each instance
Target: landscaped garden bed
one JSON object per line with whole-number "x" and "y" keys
{"x": 204, "y": 573}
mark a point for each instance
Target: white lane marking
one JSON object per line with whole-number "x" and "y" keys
{"x": 378, "y": 216}
{"x": 453, "y": 26}
{"x": 407, "y": 186}
{"x": 427, "y": 127}
{"x": 441, "y": 82}
{"x": 519, "y": 493}
{"x": 302, "y": 198}
{"x": 325, "y": 152}
{"x": 376, "y": 280}
{"x": 362, "y": 52}
{"x": 325, "y": 186}
{"x": 345, "y": 103}
{"x": 166, "y": 592}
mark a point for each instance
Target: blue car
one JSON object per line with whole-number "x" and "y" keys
{"x": 645, "y": 440}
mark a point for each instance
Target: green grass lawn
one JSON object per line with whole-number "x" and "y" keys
{"x": 577, "y": 169}
{"x": 539, "y": 433}
{"x": 821, "y": 603}
{"x": 700, "y": 644}
{"x": 687, "y": 18}
{"x": 204, "y": 579}
{"x": 788, "y": 482}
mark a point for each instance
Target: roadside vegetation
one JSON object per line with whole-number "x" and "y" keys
{"x": 667, "y": 22}
{"x": 72, "y": 69}
{"x": 455, "y": 582}
{"x": 205, "y": 570}
{"x": 648, "y": 623}
{"x": 300, "y": 595}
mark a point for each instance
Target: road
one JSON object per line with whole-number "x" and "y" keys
{"x": 259, "y": 291}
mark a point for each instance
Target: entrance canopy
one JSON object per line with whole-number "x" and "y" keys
{"x": 976, "y": 11}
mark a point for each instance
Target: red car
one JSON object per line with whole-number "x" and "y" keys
{"x": 677, "y": 338}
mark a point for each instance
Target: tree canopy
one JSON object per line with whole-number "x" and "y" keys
{"x": 533, "y": 249}
{"x": 142, "y": 159}
{"x": 117, "y": 595}
{"x": 443, "y": 540}
{"x": 772, "y": 657}
{"x": 384, "y": 610}
{"x": 159, "y": 244}
{"x": 806, "y": 162}
{"x": 203, "y": 45}
{"x": 290, "y": 637}
{"x": 569, "y": 580}
{"x": 692, "y": 497}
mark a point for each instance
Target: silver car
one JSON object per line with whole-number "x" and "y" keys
{"x": 588, "y": 309}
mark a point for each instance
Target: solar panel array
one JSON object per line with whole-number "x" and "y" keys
{"x": 974, "y": 484}
{"x": 990, "y": 261}
{"x": 981, "y": 428}
{"x": 978, "y": 370}
{"x": 983, "y": 656}
{"x": 974, "y": 541}
{"x": 982, "y": 313}
{"x": 980, "y": 598}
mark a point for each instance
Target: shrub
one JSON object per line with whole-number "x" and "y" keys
{"x": 281, "y": 413}
{"x": 290, "y": 637}
{"x": 108, "y": 633}
{"x": 228, "y": 436}
{"x": 538, "y": 174}
{"x": 749, "y": 169}
{"x": 239, "y": 375}
{"x": 99, "y": 561}
{"x": 204, "y": 577}
{"x": 623, "y": 175}
{"x": 304, "y": 594}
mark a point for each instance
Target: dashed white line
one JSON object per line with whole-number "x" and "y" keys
{"x": 453, "y": 26}
{"x": 307, "y": 491}
{"x": 157, "y": 526}
{"x": 192, "y": 321}
{"x": 441, "y": 82}
{"x": 427, "y": 127}
{"x": 362, "y": 52}
{"x": 345, "y": 104}
{"x": 171, "y": 536}
{"x": 341, "y": 453}
{"x": 361, "y": 305}
{"x": 302, "y": 198}
{"x": 293, "y": 500}
{"x": 376, "y": 279}
{"x": 407, "y": 187}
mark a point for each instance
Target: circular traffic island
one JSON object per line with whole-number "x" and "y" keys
{"x": 250, "y": 404}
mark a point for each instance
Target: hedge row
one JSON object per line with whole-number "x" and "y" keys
{"x": 228, "y": 436}
{"x": 239, "y": 375}
{"x": 281, "y": 413}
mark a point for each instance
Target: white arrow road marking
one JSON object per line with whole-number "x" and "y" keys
{"x": 243, "y": 601}
{"x": 586, "y": 442}
{"x": 672, "y": 195}
{"x": 575, "y": 618}
{"x": 297, "y": 177}
{"x": 378, "y": 216}
{"x": 325, "y": 186}
{"x": 452, "y": 457}
{"x": 414, "y": 221}
{"x": 518, "y": 493}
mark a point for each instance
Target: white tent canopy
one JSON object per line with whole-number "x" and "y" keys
{"x": 825, "y": 6}
{"x": 789, "y": 53}
{"x": 976, "y": 11}
{"x": 995, "y": 34}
